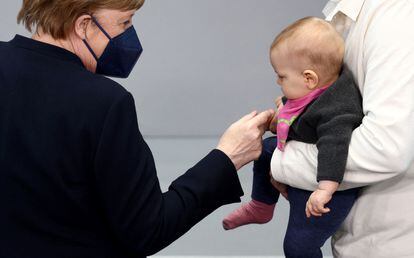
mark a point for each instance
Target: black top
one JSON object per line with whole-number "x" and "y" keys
{"x": 329, "y": 122}
{"x": 76, "y": 177}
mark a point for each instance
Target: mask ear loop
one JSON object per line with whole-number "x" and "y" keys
{"x": 90, "y": 49}
{"x": 100, "y": 27}
{"x": 103, "y": 31}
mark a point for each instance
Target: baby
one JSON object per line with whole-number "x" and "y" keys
{"x": 321, "y": 105}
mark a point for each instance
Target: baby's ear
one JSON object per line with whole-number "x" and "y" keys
{"x": 311, "y": 79}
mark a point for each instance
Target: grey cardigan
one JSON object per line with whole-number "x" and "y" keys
{"x": 329, "y": 121}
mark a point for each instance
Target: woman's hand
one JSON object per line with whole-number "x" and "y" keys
{"x": 242, "y": 141}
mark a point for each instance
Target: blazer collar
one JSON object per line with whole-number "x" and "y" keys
{"x": 46, "y": 49}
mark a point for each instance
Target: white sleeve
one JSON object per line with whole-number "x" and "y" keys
{"x": 383, "y": 146}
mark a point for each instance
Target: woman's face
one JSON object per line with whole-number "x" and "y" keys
{"x": 114, "y": 22}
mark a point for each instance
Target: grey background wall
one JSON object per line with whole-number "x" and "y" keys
{"x": 205, "y": 64}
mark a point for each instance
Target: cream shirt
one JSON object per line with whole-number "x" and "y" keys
{"x": 379, "y": 37}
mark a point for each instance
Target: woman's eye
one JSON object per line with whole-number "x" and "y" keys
{"x": 127, "y": 23}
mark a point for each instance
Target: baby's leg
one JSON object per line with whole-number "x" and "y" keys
{"x": 304, "y": 237}
{"x": 263, "y": 190}
{"x": 264, "y": 196}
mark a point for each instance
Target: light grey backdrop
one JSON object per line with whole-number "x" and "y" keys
{"x": 205, "y": 64}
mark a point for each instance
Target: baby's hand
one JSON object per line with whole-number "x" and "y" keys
{"x": 273, "y": 123}
{"x": 316, "y": 203}
{"x": 318, "y": 199}
{"x": 279, "y": 102}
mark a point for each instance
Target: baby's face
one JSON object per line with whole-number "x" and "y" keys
{"x": 289, "y": 74}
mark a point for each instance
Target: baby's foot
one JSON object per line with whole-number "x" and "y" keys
{"x": 251, "y": 212}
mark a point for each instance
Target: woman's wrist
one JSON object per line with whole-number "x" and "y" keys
{"x": 233, "y": 158}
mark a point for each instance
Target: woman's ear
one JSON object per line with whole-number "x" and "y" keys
{"x": 81, "y": 25}
{"x": 311, "y": 79}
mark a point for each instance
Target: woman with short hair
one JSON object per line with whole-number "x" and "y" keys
{"x": 76, "y": 176}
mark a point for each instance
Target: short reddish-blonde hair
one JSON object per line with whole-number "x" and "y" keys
{"x": 57, "y": 17}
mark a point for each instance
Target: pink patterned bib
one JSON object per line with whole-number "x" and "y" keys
{"x": 290, "y": 111}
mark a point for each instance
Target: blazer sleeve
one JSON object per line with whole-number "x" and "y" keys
{"x": 142, "y": 218}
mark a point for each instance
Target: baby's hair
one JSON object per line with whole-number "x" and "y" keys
{"x": 316, "y": 40}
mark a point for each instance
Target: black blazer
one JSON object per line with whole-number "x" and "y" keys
{"x": 76, "y": 177}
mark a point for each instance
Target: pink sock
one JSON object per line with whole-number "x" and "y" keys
{"x": 251, "y": 212}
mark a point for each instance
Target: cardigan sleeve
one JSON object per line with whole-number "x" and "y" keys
{"x": 142, "y": 218}
{"x": 340, "y": 115}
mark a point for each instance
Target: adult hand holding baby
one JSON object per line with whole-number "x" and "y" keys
{"x": 280, "y": 187}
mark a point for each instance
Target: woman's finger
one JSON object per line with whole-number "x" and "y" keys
{"x": 262, "y": 119}
{"x": 248, "y": 116}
